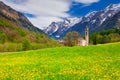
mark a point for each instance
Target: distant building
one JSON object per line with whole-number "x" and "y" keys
{"x": 87, "y": 36}
{"x": 84, "y": 42}
{"x": 80, "y": 41}
{"x": 61, "y": 41}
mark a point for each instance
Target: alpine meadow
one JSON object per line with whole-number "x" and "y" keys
{"x": 101, "y": 62}
{"x": 59, "y": 39}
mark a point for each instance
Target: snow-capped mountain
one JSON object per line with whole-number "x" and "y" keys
{"x": 102, "y": 15}
{"x": 96, "y": 21}
{"x": 57, "y": 29}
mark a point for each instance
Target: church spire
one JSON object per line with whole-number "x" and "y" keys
{"x": 87, "y": 35}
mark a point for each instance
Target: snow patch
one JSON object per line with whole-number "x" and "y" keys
{"x": 102, "y": 15}
{"x": 109, "y": 15}
{"x": 55, "y": 28}
{"x": 103, "y": 20}
{"x": 57, "y": 36}
{"x": 91, "y": 14}
{"x": 93, "y": 21}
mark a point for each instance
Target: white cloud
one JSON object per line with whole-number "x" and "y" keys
{"x": 86, "y": 1}
{"x": 45, "y": 11}
{"x": 44, "y": 21}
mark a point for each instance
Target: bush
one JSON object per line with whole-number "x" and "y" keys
{"x": 26, "y": 45}
{"x": 71, "y": 38}
{"x": 10, "y": 47}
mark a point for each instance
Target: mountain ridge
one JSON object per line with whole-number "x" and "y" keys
{"x": 18, "y": 18}
{"x": 94, "y": 20}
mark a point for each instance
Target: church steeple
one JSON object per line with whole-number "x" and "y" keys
{"x": 87, "y": 35}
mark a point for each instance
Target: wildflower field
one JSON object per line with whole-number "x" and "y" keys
{"x": 100, "y": 62}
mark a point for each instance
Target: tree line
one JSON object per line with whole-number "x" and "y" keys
{"x": 105, "y": 36}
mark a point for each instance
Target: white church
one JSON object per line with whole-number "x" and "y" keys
{"x": 84, "y": 42}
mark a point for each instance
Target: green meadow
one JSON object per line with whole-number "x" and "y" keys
{"x": 100, "y": 62}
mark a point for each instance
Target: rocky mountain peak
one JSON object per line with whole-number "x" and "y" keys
{"x": 90, "y": 14}
{"x": 61, "y": 27}
{"x": 113, "y": 7}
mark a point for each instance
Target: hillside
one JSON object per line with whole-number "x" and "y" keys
{"x": 17, "y": 33}
{"x": 17, "y": 18}
{"x": 68, "y": 63}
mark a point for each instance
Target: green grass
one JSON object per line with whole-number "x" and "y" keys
{"x": 101, "y": 62}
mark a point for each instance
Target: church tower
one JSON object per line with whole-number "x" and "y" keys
{"x": 87, "y": 35}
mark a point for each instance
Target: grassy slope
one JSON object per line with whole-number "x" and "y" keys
{"x": 75, "y": 63}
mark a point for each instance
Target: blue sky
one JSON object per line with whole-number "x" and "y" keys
{"x": 42, "y": 12}
{"x": 78, "y": 9}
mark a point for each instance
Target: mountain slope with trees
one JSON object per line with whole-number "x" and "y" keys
{"x": 17, "y": 33}
{"x": 18, "y": 19}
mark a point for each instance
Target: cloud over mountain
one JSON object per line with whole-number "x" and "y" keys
{"x": 87, "y": 1}
{"x": 42, "y": 12}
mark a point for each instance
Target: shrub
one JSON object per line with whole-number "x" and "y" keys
{"x": 10, "y": 47}
{"x": 26, "y": 45}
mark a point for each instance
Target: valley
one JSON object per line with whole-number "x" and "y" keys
{"x": 59, "y": 40}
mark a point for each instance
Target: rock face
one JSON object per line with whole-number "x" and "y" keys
{"x": 17, "y": 18}
{"x": 57, "y": 29}
{"x": 96, "y": 21}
